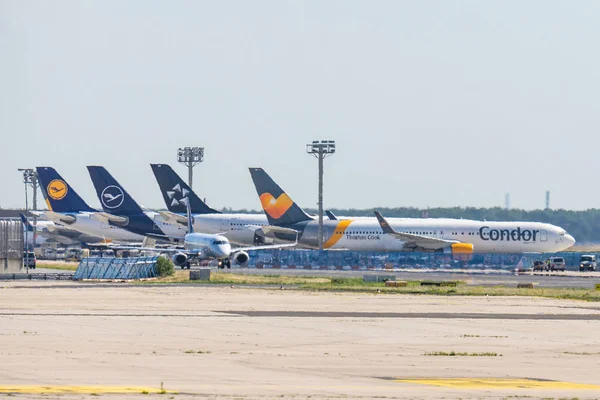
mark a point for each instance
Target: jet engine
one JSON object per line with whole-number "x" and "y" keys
{"x": 241, "y": 257}
{"x": 462, "y": 248}
{"x": 180, "y": 259}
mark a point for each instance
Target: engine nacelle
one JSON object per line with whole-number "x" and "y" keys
{"x": 241, "y": 257}
{"x": 462, "y": 248}
{"x": 180, "y": 259}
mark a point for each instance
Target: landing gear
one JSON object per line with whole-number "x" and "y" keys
{"x": 226, "y": 263}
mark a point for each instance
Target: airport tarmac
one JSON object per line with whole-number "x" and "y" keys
{"x": 212, "y": 342}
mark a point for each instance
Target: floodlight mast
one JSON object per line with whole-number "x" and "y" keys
{"x": 190, "y": 157}
{"x": 320, "y": 150}
{"x": 30, "y": 178}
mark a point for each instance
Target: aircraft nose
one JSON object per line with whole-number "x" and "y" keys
{"x": 570, "y": 240}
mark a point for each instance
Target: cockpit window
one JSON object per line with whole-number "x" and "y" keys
{"x": 218, "y": 242}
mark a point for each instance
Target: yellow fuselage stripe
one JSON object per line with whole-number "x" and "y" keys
{"x": 339, "y": 231}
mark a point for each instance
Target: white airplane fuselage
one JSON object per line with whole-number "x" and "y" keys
{"x": 365, "y": 234}
{"x": 85, "y": 223}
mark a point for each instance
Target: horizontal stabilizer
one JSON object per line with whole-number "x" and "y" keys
{"x": 173, "y": 218}
{"x": 105, "y": 218}
{"x": 271, "y": 229}
{"x": 58, "y": 217}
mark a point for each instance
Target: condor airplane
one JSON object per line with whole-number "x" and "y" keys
{"x": 404, "y": 234}
{"x": 68, "y": 209}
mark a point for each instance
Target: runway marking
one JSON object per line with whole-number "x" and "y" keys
{"x": 430, "y": 315}
{"x": 35, "y": 389}
{"x": 497, "y": 383}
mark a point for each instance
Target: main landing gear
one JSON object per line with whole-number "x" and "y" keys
{"x": 226, "y": 263}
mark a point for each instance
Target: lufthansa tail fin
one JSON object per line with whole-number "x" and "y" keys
{"x": 26, "y": 222}
{"x": 177, "y": 193}
{"x": 277, "y": 205}
{"x": 112, "y": 196}
{"x": 59, "y": 195}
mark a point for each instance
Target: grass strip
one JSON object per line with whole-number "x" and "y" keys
{"x": 356, "y": 285}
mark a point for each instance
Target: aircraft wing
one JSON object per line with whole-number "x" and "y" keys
{"x": 425, "y": 242}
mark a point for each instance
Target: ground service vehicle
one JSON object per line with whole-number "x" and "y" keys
{"x": 556, "y": 264}
{"x": 587, "y": 262}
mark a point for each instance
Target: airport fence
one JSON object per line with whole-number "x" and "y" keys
{"x": 354, "y": 260}
{"x": 117, "y": 268}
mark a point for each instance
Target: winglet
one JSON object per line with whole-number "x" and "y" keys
{"x": 385, "y": 226}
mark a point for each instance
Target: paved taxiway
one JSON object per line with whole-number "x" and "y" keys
{"x": 249, "y": 343}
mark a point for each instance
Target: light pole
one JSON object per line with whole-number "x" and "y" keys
{"x": 30, "y": 178}
{"x": 320, "y": 150}
{"x": 190, "y": 157}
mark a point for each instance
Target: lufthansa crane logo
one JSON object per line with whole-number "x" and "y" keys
{"x": 112, "y": 196}
{"x": 57, "y": 189}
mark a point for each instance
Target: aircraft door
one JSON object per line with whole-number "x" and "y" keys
{"x": 543, "y": 236}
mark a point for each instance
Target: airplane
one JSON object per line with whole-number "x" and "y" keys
{"x": 66, "y": 208}
{"x": 404, "y": 234}
{"x": 205, "y": 246}
{"x": 48, "y": 231}
{"x": 122, "y": 210}
{"x": 240, "y": 229}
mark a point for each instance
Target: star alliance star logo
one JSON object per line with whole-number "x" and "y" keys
{"x": 183, "y": 200}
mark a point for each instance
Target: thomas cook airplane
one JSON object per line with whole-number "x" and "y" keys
{"x": 68, "y": 209}
{"x": 404, "y": 234}
{"x": 122, "y": 210}
{"x": 204, "y": 246}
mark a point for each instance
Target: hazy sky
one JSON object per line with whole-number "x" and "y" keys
{"x": 432, "y": 103}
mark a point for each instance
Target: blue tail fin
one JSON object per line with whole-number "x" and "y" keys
{"x": 26, "y": 222}
{"x": 59, "y": 195}
{"x": 112, "y": 196}
{"x": 278, "y": 206}
{"x": 175, "y": 191}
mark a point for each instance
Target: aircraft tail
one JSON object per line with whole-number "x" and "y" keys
{"x": 60, "y": 196}
{"x": 175, "y": 192}
{"x": 277, "y": 205}
{"x": 113, "y": 197}
{"x": 25, "y": 222}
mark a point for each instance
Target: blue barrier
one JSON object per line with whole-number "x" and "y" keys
{"x": 116, "y": 268}
{"x": 311, "y": 259}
